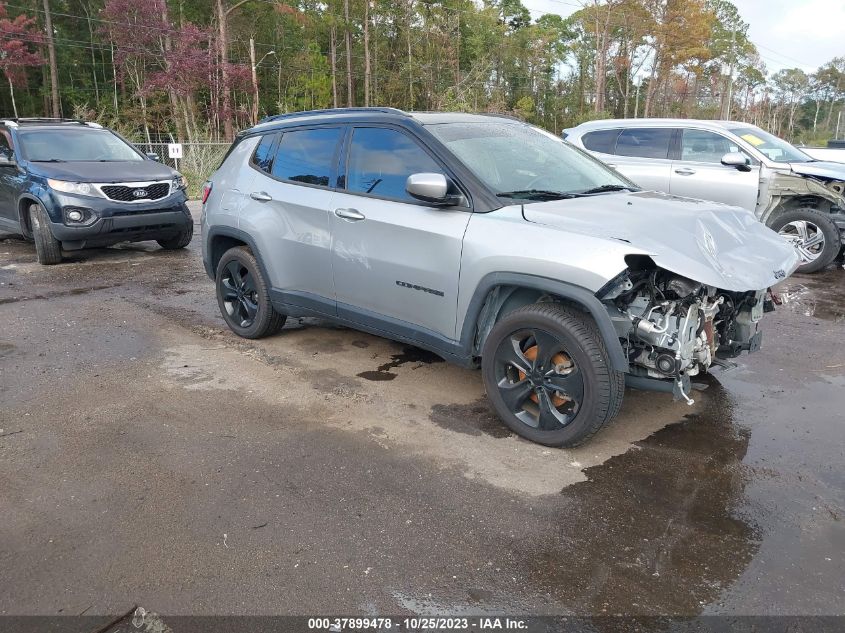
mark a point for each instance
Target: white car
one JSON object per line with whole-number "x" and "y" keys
{"x": 733, "y": 163}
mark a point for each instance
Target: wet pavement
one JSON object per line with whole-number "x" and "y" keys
{"x": 148, "y": 456}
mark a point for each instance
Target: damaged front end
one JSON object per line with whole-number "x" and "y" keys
{"x": 673, "y": 328}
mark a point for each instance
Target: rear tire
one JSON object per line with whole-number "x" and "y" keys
{"x": 548, "y": 375}
{"x": 814, "y": 234}
{"x": 180, "y": 240}
{"x": 48, "y": 249}
{"x": 243, "y": 295}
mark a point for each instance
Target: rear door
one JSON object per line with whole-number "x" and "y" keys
{"x": 394, "y": 256}
{"x": 699, "y": 172}
{"x": 642, "y": 154}
{"x": 288, "y": 213}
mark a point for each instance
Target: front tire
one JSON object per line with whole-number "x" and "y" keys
{"x": 244, "y": 297}
{"x": 814, "y": 235}
{"x": 180, "y": 240}
{"x": 48, "y": 250}
{"x": 548, "y": 375}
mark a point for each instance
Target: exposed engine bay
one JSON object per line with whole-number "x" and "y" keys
{"x": 673, "y": 328}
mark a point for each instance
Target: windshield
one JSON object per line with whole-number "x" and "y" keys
{"x": 79, "y": 144}
{"x": 520, "y": 161}
{"x": 770, "y": 145}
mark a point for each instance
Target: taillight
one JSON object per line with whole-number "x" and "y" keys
{"x": 206, "y": 191}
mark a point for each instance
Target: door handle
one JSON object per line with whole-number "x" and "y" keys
{"x": 261, "y": 196}
{"x": 685, "y": 171}
{"x": 353, "y": 215}
{"x": 611, "y": 165}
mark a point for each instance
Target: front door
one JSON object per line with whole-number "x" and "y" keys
{"x": 394, "y": 256}
{"x": 700, "y": 173}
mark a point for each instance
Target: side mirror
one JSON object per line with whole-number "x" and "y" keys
{"x": 152, "y": 155}
{"x": 736, "y": 159}
{"x": 431, "y": 188}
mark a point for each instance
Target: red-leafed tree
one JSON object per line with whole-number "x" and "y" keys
{"x": 17, "y": 37}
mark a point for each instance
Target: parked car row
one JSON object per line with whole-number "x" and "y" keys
{"x": 488, "y": 241}
{"x": 734, "y": 163}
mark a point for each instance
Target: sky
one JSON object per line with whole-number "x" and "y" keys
{"x": 788, "y": 33}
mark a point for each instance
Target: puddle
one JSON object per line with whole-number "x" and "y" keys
{"x": 656, "y": 530}
{"x": 472, "y": 419}
{"x": 407, "y": 355}
{"x": 821, "y": 295}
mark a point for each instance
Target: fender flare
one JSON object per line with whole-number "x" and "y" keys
{"x": 576, "y": 294}
{"x": 242, "y": 236}
{"x": 31, "y": 197}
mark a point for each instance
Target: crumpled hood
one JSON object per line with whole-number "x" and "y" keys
{"x": 718, "y": 245}
{"x": 820, "y": 168}
{"x": 118, "y": 171}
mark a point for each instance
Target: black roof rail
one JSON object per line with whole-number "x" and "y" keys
{"x": 330, "y": 111}
{"x": 38, "y": 119}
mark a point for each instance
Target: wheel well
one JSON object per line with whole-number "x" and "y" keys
{"x": 504, "y": 299}
{"x": 219, "y": 245}
{"x": 23, "y": 215}
{"x": 794, "y": 203}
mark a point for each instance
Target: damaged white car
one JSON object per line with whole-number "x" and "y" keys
{"x": 731, "y": 162}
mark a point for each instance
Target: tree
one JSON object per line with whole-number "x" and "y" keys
{"x": 17, "y": 35}
{"x": 791, "y": 84}
{"x": 51, "y": 52}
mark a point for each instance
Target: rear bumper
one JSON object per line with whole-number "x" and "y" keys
{"x": 111, "y": 223}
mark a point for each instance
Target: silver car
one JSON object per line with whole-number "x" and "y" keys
{"x": 733, "y": 163}
{"x": 491, "y": 243}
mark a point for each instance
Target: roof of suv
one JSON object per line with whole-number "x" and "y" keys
{"x": 46, "y": 122}
{"x": 379, "y": 114}
{"x": 602, "y": 124}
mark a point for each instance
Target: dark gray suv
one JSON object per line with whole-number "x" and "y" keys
{"x": 491, "y": 243}
{"x": 68, "y": 185}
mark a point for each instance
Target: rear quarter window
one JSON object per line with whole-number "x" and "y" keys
{"x": 262, "y": 157}
{"x": 603, "y": 141}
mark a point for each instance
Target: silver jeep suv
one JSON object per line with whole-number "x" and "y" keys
{"x": 489, "y": 242}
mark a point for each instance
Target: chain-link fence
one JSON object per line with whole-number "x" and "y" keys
{"x": 197, "y": 162}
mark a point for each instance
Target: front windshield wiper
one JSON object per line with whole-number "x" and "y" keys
{"x": 49, "y": 160}
{"x": 606, "y": 188}
{"x": 536, "y": 194}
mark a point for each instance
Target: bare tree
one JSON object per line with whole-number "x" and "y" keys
{"x": 51, "y": 53}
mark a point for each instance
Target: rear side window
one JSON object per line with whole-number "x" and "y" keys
{"x": 263, "y": 156}
{"x": 644, "y": 142}
{"x": 380, "y": 161}
{"x": 601, "y": 141}
{"x": 307, "y": 156}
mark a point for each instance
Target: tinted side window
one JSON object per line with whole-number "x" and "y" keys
{"x": 644, "y": 142}
{"x": 601, "y": 141}
{"x": 701, "y": 146}
{"x": 263, "y": 156}
{"x": 380, "y": 161}
{"x": 307, "y": 156}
